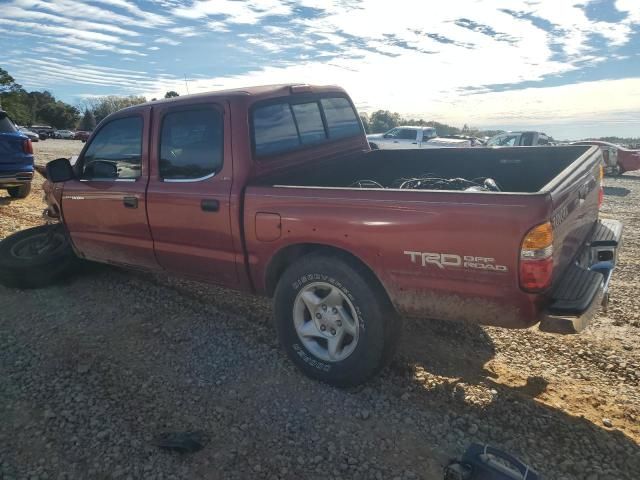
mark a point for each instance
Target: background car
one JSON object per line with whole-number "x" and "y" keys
{"x": 519, "y": 139}
{"x": 33, "y": 136}
{"x": 409, "y": 137}
{"x": 64, "y": 134}
{"x": 44, "y": 131}
{"x": 617, "y": 159}
{"x": 16, "y": 159}
{"x": 82, "y": 135}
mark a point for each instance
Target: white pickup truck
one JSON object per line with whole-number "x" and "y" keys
{"x": 407, "y": 137}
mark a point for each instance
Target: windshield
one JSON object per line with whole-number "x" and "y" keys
{"x": 505, "y": 140}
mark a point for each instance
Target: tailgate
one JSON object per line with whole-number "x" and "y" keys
{"x": 576, "y": 196}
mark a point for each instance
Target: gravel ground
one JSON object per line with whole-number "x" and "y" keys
{"x": 94, "y": 369}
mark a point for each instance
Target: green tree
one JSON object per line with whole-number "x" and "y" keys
{"x": 59, "y": 115}
{"x": 104, "y": 106}
{"x": 88, "y": 121}
{"x": 7, "y": 82}
{"x": 383, "y": 120}
{"x": 171, "y": 94}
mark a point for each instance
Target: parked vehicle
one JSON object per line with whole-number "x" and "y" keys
{"x": 617, "y": 159}
{"x": 82, "y": 135}
{"x": 16, "y": 159}
{"x": 274, "y": 191}
{"x": 64, "y": 134}
{"x": 409, "y": 137}
{"x": 519, "y": 139}
{"x": 33, "y": 136}
{"x": 45, "y": 131}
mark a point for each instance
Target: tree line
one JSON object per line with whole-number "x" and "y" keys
{"x": 42, "y": 108}
{"x": 384, "y": 120}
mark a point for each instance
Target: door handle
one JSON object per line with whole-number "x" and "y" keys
{"x": 210, "y": 205}
{"x": 414, "y": 143}
{"x": 130, "y": 202}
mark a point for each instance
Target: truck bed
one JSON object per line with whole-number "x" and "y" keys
{"x": 515, "y": 170}
{"x": 387, "y": 229}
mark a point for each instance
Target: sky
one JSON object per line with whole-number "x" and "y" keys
{"x": 570, "y": 68}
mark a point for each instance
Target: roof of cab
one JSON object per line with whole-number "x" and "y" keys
{"x": 259, "y": 92}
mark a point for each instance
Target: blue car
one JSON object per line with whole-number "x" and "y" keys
{"x": 16, "y": 159}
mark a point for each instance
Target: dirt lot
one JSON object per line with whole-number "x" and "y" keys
{"x": 93, "y": 369}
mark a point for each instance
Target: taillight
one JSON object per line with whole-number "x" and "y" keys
{"x": 27, "y": 146}
{"x": 601, "y": 192}
{"x": 536, "y": 259}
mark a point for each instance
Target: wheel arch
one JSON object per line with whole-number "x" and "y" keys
{"x": 290, "y": 254}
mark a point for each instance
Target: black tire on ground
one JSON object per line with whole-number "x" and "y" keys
{"x": 373, "y": 146}
{"x": 20, "y": 192}
{"x": 36, "y": 257}
{"x": 379, "y": 324}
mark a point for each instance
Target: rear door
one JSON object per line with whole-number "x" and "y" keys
{"x": 404, "y": 138}
{"x": 105, "y": 209}
{"x": 189, "y": 191}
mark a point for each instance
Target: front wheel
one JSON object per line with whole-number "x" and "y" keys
{"x": 334, "y": 320}
{"x": 36, "y": 257}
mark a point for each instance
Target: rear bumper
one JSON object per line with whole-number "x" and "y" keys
{"x": 584, "y": 287}
{"x": 15, "y": 179}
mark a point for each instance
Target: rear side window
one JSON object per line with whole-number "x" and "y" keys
{"x": 309, "y": 122}
{"x": 408, "y": 134}
{"x": 283, "y": 126}
{"x": 6, "y": 125}
{"x": 341, "y": 117}
{"x": 191, "y": 144}
{"x": 115, "y": 152}
{"x": 274, "y": 129}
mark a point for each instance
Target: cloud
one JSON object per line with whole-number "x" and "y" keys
{"x": 167, "y": 41}
{"x": 241, "y": 12}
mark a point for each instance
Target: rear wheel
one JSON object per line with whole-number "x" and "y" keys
{"x": 36, "y": 257}
{"x": 334, "y": 321}
{"x": 20, "y": 192}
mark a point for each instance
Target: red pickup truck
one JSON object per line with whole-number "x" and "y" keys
{"x": 274, "y": 191}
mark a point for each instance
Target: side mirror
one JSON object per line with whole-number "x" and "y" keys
{"x": 60, "y": 170}
{"x": 386, "y": 135}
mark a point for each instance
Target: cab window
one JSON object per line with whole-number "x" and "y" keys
{"x": 191, "y": 144}
{"x": 115, "y": 153}
{"x": 342, "y": 120}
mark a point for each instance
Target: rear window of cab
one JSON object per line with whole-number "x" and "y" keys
{"x": 283, "y": 126}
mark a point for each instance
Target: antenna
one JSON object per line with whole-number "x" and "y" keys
{"x": 186, "y": 83}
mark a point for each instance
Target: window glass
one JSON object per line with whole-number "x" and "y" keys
{"x": 407, "y": 134}
{"x": 191, "y": 144}
{"x": 6, "y": 125}
{"x": 429, "y": 133}
{"x": 274, "y": 129}
{"x": 341, "y": 118}
{"x": 116, "y": 151}
{"x": 309, "y": 122}
{"x": 506, "y": 140}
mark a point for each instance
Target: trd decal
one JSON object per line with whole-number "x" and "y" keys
{"x": 444, "y": 261}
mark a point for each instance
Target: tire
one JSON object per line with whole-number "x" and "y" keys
{"x": 36, "y": 257}
{"x": 329, "y": 278}
{"x": 20, "y": 192}
{"x": 374, "y": 146}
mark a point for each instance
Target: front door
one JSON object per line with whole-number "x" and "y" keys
{"x": 105, "y": 208}
{"x": 189, "y": 192}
